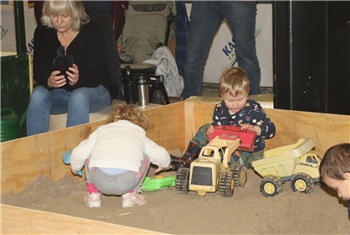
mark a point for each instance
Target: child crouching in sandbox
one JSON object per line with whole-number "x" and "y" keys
{"x": 335, "y": 170}
{"x": 117, "y": 157}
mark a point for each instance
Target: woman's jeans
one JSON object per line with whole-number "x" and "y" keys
{"x": 77, "y": 104}
{"x": 206, "y": 18}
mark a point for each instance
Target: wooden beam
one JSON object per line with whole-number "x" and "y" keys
{"x": 18, "y": 220}
{"x": 326, "y": 130}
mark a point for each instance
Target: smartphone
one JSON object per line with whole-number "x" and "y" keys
{"x": 62, "y": 63}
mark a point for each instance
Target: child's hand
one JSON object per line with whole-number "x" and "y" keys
{"x": 74, "y": 171}
{"x": 247, "y": 126}
{"x": 210, "y": 131}
{"x": 159, "y": 169}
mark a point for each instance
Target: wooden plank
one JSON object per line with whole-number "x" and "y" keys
{"x": 326, "y": 130}
{"x": 189, "y": 120}
{"x": 166, "y": 125}
{"x": 25, "y": 158}
{"x": 17, "y": 220}
{"x": 22, "y": 160}
{"x": 198, "y": 111}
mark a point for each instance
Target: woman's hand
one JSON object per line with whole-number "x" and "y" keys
{"x": 56, "y": 80}
{"x": 73, "y": 75}
{"x": 247, "y": 126}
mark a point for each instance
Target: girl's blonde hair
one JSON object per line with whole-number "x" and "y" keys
{"x": 129, "y": 113}
{"x": 234, "y": 80}
{"x": 74, "y": 9}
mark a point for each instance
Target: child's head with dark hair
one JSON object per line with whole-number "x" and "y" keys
{"x": 335, "y": 169}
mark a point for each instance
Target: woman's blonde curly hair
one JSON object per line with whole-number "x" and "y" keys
{"x": 74, "y": 9}
{"x": 129, "y": 113}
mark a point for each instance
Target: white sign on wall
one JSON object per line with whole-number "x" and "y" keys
{"x": 222, "y": 55}
{"x": 8, "y": 42}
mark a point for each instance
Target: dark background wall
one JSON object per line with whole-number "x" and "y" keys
{"x": 312, "y": 56}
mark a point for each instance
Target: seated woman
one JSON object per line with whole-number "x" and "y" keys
{"x": 69, "y": 66}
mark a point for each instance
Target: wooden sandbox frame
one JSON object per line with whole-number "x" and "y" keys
{"x": 171, "y": 126}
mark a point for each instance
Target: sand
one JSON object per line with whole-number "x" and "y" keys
{"x": 170, "y": 211}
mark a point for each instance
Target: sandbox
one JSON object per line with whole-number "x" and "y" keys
{"x": 172, "y": 126}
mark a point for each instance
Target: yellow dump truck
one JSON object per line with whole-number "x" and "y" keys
{"x": 211, "y": 171}
{"x": 297, "y": 163}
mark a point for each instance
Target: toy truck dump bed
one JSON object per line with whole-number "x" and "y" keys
{"x": 294, "y": 162}
{"x": 225, "y": 132}
{"x": 282, "y": 161}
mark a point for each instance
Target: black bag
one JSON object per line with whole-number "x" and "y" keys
{"x": 158, "y": 94}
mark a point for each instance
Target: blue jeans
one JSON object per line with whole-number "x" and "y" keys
{"x": 206, "y": 18}
{"x": 77, "y": 104}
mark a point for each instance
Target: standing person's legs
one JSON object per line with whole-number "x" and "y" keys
{"x": 85, "y": 100}
{"x": 241, "y": 15}
{"x": 104, "y": 21}
{"x": 43, "y": 103}
{"x": 205, "y": 19}
{"x": 181, "y": 25}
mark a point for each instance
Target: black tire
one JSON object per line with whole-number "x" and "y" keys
{"x": 240, "y": 175}
{"x": 226, "y": 184}
{"x": 182, "y": 177}
{"x": 303, "y": 183}
{"x": 270, "y": 186}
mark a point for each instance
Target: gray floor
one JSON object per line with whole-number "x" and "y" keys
{"x": 212, "y": 90}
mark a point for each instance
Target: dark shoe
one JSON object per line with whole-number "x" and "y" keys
{"x": 191, "y": 154}
{"x": 175, "y": 162}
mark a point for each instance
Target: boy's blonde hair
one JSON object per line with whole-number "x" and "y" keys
{"x": 74, "y": 9}
{"x": 129, "y": 113}
{"x": 234, "y": 80}
{"x": 336, "y": 161}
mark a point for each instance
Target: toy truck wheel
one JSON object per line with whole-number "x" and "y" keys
{"x": 270, "y": 186}
{"x": 182, "y": 177}
{"x": 302, "y": 183}
{"x": 240, "y": 175}
{"x": 226, "y": 184}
